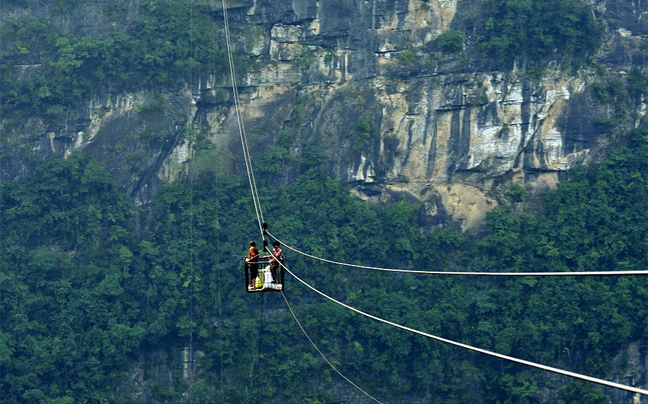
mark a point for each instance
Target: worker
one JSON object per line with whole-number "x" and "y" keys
{"x": 277, "y": 259}
{"x": 252, "y": 262}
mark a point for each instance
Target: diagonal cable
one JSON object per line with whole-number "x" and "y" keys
{"x": 322, "y": 355}
{"x": 239, "y": 118}
{"x": 475, "y": 349}
{"x": 414, "y": 271}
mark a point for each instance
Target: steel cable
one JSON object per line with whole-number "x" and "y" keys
{"x": 475, "y": 349}
{"x": 464, "y": 273}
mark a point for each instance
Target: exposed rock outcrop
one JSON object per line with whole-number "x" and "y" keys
{"x": 361, "y": 82}
{"x": 396, "y": 118}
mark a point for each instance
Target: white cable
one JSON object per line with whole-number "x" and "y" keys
{"x": 257, "y": 207}
{"x": 480, "y": 350}
{"x": 239, "y": 118}
{"x": 322, "y": 355}
{"x": 414, "y": 271}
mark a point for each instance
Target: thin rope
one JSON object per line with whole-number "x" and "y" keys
{"x": 260, "y": 340}
{"x": 191, "y": 286}
{"x": 191, "y": 224}
{"x": 475, "y": 349}
{"x": 239, "y": 118}
{"x": 221, "y": 323}
{"x": 248, "y": 162}
{"x": 414, "y": 271}
{"x": 322, "y": 354}
{"x": 220, "y": 330}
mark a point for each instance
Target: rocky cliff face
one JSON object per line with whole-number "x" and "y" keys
{"x": 356, "y": 79}
{"x": 361, "y": 83}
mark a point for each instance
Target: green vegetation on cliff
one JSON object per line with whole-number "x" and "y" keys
{"x": 539, "y": 28}
{"x": 46, "y": 68}
{"x": 69, "y": 323}
{"x": 93, "y": 293}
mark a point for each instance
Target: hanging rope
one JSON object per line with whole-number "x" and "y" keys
{"x": 259, "y": 214}
{"x": 248, "y": 165}
{"x": 220, "y": 323}
{"x": 191, "y": 280}
{"x": 191, "y": 228}
{"x": 260, "y": 338}
{"x": 475, "y": 349}
{"x": 239, "y": 118}
{"x": 413, "y": 271}
{"x": 191, "y": 286}
{"x": 322, "y": 355}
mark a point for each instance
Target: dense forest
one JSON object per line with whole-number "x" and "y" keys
{"x": 165, "y": 43}
{"x": 100, "y": 297}
{"x": 93, "y": 288}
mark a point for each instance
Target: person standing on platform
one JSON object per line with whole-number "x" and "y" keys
{"x": 252, "y": 262}
{"x": 276, "y": 260}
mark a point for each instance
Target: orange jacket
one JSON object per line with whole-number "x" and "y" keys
{"x": 253, "y": 254}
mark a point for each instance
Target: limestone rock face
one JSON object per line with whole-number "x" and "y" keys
{"x": 361, "y": 83}
{"x": 396, "y": 119}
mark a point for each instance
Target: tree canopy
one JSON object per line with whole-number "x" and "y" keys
{"x": 539, "y": 28}
{"x": 94, "y": 290}
{"x": 164, "y": 43}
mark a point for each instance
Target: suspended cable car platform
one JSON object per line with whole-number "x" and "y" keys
{"x": 261, "y": 276}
